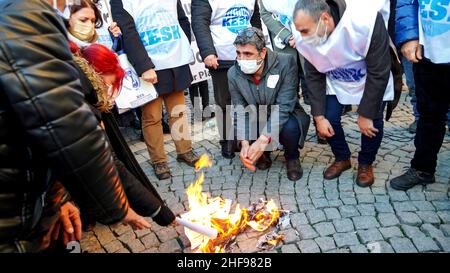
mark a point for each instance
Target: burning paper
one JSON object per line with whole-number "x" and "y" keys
{"x": 269, "y": 241}
{"x": 215, "y": 213}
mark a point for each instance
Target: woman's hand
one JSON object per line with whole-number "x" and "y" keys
{"x": 115, "y": 29}
{"x": 150, "y": 76}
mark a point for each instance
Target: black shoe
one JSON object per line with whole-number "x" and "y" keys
{"x": 294, "y": 170}
{"x": 410, "y": 179}
{"x": 227, "y": 149}
{"x": 264, "y": 162}
{"x": 162, "y": 170}
{"x": 166, "y": 127}
{"x": 413, "y": 127}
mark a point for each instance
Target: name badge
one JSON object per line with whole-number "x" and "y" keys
{"x": 272, "y": 81}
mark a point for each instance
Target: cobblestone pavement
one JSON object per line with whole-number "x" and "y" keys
{"x": 327, "y": 216}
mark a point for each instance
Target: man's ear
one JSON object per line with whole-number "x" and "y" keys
{"x": 264, "y": 53}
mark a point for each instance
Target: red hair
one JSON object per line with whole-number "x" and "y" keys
{"x": 103, "y": 61}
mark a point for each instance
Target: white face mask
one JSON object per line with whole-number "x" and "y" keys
{"x": 249, "y": 66}
{"x": 315, "y": 39}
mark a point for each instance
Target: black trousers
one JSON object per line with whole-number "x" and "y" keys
{"x": 433, "y": 101}
{"x": 223, "y": 99}
{"x": 199, "y": 89}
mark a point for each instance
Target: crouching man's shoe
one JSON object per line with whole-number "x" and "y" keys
{"x": 161, "y": 170}
{"x": 190, "y": 158}
{"x": 410, "y": 179}
{"x": 227, "y": 149}
{"x": 365, "y": 176}
{"x": 336, "y": 169}
{"x": 294, "y": 170}
{"x": 264, "y": 162}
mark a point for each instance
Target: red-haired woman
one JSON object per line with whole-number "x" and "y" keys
{"x": 101, "y": 77}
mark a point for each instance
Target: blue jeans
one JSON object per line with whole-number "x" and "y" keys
{"x": 339, "y": 146}
{"x": 289, "y": 137}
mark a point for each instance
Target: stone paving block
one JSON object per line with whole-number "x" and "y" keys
{"x": 431, "y": 231}
{"x": 150, "y": 241}
{"x": 423, "y": 205}
{"x": 365, "y": 222}
{"x": 113, "y": 246}
{"x": 343, "y": 225}
{"x": 135, "y": 246}
{"x": 445, "y": 216}
{"x": 444, "y": 243}
{"x": 430, "y": 217}
{"x": 171, "y": 246}
{"x": 384, "y": 207}
{"x": 332, "y": 213}
{"x": 316, "y": 216}
{"x": 425, "y": 244}
{"x": 387, "y": 219}
{"x": 292, "y": 248}
{"x": 308, "y": 246}
{"x": 358, "y": 249}
{"x": 290, "y": 236}
{"x": 402, "y": 245}
{"x": 365, "y": 198}
{"x": 346, "y": 239}
{"x": 409, "y": 218}
{"x": 325, "y": 243}
{"x": 445, "y": 229}
{"x": 412, "y": 231}
{"x": 404, "y": 206}
{"x": 127, "y": 237}
{"x": 325, "y": 228}
{"x": 348, "y": 211}
{"x": 166, "y": 234}
{"x": 299, "y": 219}
{"x": 380, "y": 247}
{"x": 389, "y": 232}
{"x": 370, "y": 235}
{"x": 306, "y": 232}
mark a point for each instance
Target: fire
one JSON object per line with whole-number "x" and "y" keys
{"x": 215, "y": 213}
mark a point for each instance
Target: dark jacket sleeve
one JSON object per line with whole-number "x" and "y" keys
{"x": 238, "y": 101}
{"x": 201, "y": 21}
{"x": 137, "y": 55}
{"x": 255, "y": 21}
{"x": 286, "y": 97}
{"x": 317, "y": 84}
{"x": 38, "y": 79}
{"x": 378, "y": 62}
{"x": 184, "y": 21}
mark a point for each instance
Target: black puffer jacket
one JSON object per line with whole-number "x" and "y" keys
{"x": 47, "y": 132}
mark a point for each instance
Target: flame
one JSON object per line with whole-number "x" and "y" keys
{"x": 215, "y": 213}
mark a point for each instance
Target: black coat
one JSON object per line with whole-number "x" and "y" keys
{"x": 141, "y": 194}
{"x": 201, "y": 21}
{"x": 47, "y": 131}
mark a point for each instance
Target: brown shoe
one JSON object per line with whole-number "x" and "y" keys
{"x": 336, "y": 169}
{"x": 365, "y": 176}
{"x": 162, "y": 170}
{"x": 189, "y": 158}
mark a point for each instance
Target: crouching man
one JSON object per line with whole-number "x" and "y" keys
{"x": 265, "y": 84}
{"x": 346, "y": 45}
